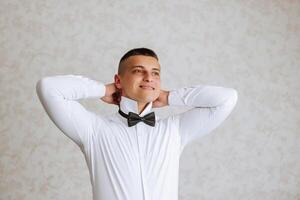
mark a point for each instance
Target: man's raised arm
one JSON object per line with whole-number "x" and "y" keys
{"x": 59, "y": 95}
{"x": 212, "y": 105}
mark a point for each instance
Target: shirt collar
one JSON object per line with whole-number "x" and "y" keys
{"x": 129, "y": 105}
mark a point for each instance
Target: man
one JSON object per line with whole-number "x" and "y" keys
{"x": 132, "y": 154}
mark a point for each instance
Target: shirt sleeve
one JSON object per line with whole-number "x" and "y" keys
{"x": 210, "y": 104}
{"x": 59, "y": 95}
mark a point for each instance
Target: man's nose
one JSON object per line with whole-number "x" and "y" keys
{"x": 148, "y": 76}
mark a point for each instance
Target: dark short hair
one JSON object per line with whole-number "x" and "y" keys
{"x": 134, "y": 52}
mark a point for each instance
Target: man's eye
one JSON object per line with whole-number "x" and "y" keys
{"x": 156, "y": 73}
{"x": 137, "y": 70}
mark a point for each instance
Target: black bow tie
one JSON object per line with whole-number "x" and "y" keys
{"x": 133, "y": 118}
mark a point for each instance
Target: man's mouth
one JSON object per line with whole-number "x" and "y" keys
{"x": 146, "y": 87}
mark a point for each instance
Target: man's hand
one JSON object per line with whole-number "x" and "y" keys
{"x": 162, "y": 100}
{"x": 112, "y": 94}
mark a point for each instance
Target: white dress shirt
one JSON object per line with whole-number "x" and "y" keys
{"x": 139, "y": 162}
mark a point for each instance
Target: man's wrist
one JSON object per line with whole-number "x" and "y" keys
{"x": 174, "y": 98}
{"x": 109, "y": 88}
{"x": 167, "y": 97}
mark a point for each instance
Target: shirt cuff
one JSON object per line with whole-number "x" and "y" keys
{"x": 174, "y": 99}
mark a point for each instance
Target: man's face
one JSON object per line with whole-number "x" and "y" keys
{"x": 141, "y": 80}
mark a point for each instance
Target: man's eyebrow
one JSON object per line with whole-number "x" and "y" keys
{"x": 141, "y": 66}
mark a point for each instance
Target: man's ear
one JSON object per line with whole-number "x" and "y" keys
{"x": 117, "y": 81}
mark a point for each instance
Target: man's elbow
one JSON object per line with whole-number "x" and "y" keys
{"x": 42, "y": 86}
{"x": 234, "y": 96}
{"x": 232, "y": 99}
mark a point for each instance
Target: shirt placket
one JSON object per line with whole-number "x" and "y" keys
{"x": 139, "y": 134}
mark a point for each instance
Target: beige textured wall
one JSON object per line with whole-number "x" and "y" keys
{"x": 252, "y": 46}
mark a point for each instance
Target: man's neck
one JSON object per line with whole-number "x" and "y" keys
{"x": 141, "y": 106}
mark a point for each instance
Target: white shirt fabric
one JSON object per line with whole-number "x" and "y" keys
{"x": 139, "y": 162}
